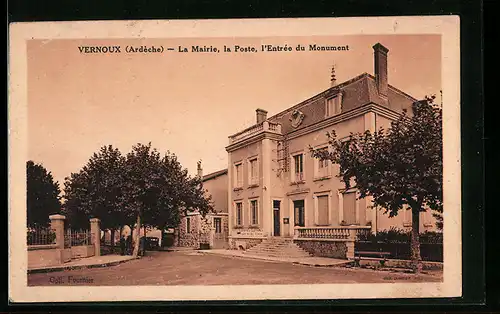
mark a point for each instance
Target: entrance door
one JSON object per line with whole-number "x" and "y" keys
{"x": 299, "y": 213}
{"x": 276, "y": 215}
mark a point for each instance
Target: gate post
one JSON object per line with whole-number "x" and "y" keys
{"x": 95, "y": 230}
{"x": 57, "y": 224}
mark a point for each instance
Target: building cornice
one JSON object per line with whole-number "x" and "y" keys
{"x": 253, "y": 139}
{"x": 327, "y": 123}
{"x": 360, "y": 111}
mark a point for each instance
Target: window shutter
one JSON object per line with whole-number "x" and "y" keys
{"x": 323, "y": 217}
{"x": 349, "y": 208}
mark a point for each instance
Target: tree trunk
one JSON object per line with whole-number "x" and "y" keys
{"x": 137, "y": 236}
{"x": 416, "y": 259}
{"x": 144, "y": 244}
{"x": 113, "y": 240}
{"x": 162, "y": 237}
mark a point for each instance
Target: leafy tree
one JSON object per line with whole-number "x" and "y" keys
{"x": 141, "y": 189}
{"x": 42, "y": 195}
{"x": 402, "y": 167}
{"x": 97, "y": 191}
{"x": 158, "y": 190}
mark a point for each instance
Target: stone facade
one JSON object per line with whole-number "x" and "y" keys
{"x": 242, "y": 243}
{"x": 276, "y": 187}
{"x": 335, "y": 249}
{"x": 191, "y": 237}
{"x": 208, "y": 230}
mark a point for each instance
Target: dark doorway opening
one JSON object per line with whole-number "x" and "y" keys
{"x": 276, "y": 215}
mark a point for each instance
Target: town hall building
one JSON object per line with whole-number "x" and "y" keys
{"x": 276, "y": 189}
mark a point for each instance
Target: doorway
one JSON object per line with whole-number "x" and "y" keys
{"x": 299, "y": 213}
{"x": 276, "y": 220}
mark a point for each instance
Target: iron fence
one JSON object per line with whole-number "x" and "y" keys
{"x": 41, "y": 236}
{"x": 77, "y": 238}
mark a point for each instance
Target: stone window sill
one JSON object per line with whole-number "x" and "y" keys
{"x": 253, "y": 227}
{"x": 297, "y": 182}
{"x": 238, "y": 189}
{"x": 238, "y": 227}
{"x": 406, "y": 224}
{"x": 322, "y": 178}
{"x": 254, "y": 185}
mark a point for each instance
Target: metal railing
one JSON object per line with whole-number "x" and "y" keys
{"x": 41, "y": 236}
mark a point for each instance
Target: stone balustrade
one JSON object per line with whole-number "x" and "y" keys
{"x": 266, "y": 126}
{"x": 347, "y": 233}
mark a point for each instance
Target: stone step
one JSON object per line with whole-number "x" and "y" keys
{"x": 276, "y": 247}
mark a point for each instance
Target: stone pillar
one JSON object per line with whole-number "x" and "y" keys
{"x": 57, "y": 224}
{"x": 266, "y": 172}
{"x": 350, "y": 244}
{"x": 95, "y": 230}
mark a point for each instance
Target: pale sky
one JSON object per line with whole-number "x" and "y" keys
{"x": 189, "y": 103}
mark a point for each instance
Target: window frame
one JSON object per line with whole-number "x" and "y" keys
{"x": 335, "y": 101}
{"x": 219, "y": 220}
{"x": 294, "y": 166}
{"x": 188, "y": 225}
{"x": 253, "y": 181}
{"x": 238, "y": 183}
{"x": 328, "y": 195}
{"x": 236, "y": 209}
{"x": 341, "y": 206}
{"x": 250, "y": 205}
{"x": 327, "y": 168}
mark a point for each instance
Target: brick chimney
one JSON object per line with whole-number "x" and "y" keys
{"x": 261, "y": 115}
{"x": 380, "y": 53}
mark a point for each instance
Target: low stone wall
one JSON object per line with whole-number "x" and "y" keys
{"x": 47, "y": 255}
{"x": 245, "y": 243}
{"x": 82, "y": 251}
{"x": 334, "y": 249}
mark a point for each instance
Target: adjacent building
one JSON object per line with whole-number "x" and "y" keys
{"x": 212, "y": 229}
{"x": 275, "y": 188}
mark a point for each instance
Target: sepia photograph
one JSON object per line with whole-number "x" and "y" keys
{"x": 235, "y": 159}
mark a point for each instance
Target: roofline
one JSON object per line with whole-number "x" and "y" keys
{"x": 214, "y": 175}
{"x": 304, "y": 102}
{"x": 338, "y": 86}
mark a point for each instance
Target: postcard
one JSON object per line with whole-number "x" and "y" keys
{"x": 252, "y": 159}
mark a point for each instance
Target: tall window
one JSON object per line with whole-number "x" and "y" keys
{"x": 323, "y": 210}
{"x": 188, "y": 225}
{"x": 255, "y": 212}
{"x": 349, "y": 208}
{"x": 254, "y": 171}
{"x": 298, "y": 166}
{"x": 238, "y": 169}
{"x": 239, "y": 214}
{"x": 218, "y": 225}
{"x": 322, "y": 166}
{"x": 333, "y": 106}
{"x": 299, "y": 213}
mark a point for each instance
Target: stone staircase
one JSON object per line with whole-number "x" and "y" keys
{"x": 277, "y": 247}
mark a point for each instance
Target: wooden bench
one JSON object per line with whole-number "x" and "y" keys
{"x": 381, "y": 256}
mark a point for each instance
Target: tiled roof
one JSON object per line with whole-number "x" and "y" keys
{"x": 357, "y": 92}
{"x": 214, "y": 175}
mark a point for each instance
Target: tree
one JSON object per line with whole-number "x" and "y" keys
{"x": 159, "y": 190}
{"x": 141, "y": 189}
{"x": 42, "y": 195}
{"x": 401, "y": 168}
{"x": 97, "y": 191}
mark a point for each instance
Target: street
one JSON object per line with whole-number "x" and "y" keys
{"x": 192, "y": 268}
